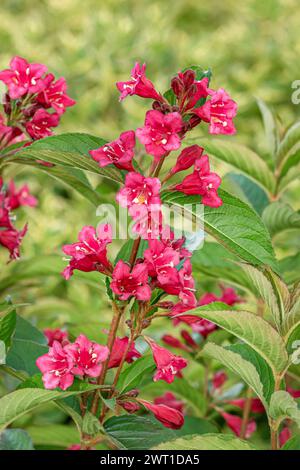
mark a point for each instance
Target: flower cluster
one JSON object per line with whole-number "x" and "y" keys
{"x": 31, "y": 94}
{"x": 11, "y": 199}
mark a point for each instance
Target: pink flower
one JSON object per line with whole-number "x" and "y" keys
{"x": 230, "y": 297}
{"x": 128, "y": 283}
{"x": 169, "y": 240}
{"x": 87, "y": 356}
{"x": 235, "y": 424}
{"x": 11, "y": 239}
{"x": 21, "y": 197}
{"x": 294, "y": 392}
{"x": 9, "y": 135}
{"x": 187, "y": 158}
{"x": 23, "y": 77}
{"x": 168, "y": 365}
{"x": 74, "y": 447}
{"x": 180, "y": 283}
{"x": 219, "y": 111}
{"x": 256, "y": 404}
{"x": 118, "y": 350}
{"x": 129, "y": 406}
{"x": 41, "y": 123}
{"x": 219, "y": 379}
{"x": 54, "y": 94}
{"x": 160, "y": 135}
{"x": 174, "y": 342}
{"x": 120, "y": 152}
{"x": 188, "y": 90}
{"x": 56, "y": 334}
{"x": 148, "y": 220}
{"x": 139, "y": 191}
{"x": 207, "y": 298}
{"x": 170, "y": 400}
{"x": 90, "y": 253}
{"x": 188, "y": 339}
{"x": 160, "y": 259}
{"x": 56, "y": 367}
{"x": 138, "y": 85}
{"x": 169, "y": 417}
{"x": 202, "y": 182}
{"x": 284, "y": 436}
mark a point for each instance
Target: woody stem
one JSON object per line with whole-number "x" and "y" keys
{"x": 246, "y": 413}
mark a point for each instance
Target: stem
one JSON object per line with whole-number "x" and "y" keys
{"x": 274, "y": 439}
{"x": 246, "y": 413}
{"x": 135, "y": 249}
{"x": 118, "y": 311}
{"x": 273, "y": 425}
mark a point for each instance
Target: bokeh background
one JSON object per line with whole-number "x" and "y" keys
{"x": 253, "y": 49}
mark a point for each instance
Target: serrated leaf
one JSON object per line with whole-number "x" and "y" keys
{"x": 15, "y": 439}
{"x": 135, "y": 373}
{"x": 283, "y": 406}
{"x": 7, "y": 327}
{"x": 90, "y": 424}
{"x": 247, "y": 190}
{"x": 289, "y": 142}
{"x": 271, "y": 130}
{"x": 242, "y": 158}
{"x": 206, "y": 442}
{"x": 279, "y": 216}
{"x": 238, "y": 365}
{"x": 234, "y": 224}
{"x": 250, "y": 328}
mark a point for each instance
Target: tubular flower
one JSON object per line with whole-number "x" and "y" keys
{"x": 120, "y": 152}
{"x": 119, "y": 348}
{"x": 41, "y": 123}
{"x": 23, "y": 77}
{"x": 127, "y": 283}
{"x": 90, "y": 253}
{"x": 54, "y": 94}
{"x": 56, "y": 367}
{"x": 138, "y": 85}
{"x": 160, "y": 259}
{"x": 235, "y": 424}
{"x": 170, "y": 400}
{"x": 56, "y": 334}
{"x": 87, "y": 356}
{"x": 160, "y": 134}
{"x": 17, "y": 198}
{"x": 168, "y": 365}
{"x": 169, "y": 417}
{"x": 139, "y": 191}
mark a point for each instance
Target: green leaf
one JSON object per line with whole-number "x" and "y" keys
{"x": 290, "y": 268}
{"x": 90, "y": 424}
{"x": 126, "y": 249}
{"x": 15, "y": 439}
{"x": 235, "y": 225}
{"x": 136, "y": 432}
{"x": 292, "y": 319}
{"x": 16, "y": 404}
{"x": 279, "y": 216}
{"x": 289, "y": 142}
{"x": 28, "y": 343}
{"x": 247, "y": 190}
{"x": 206, "y": 442}
{"x": 2, "y": 352}
{"x": 57, "y": 435}
{"x": 7, "y": 327}
{"x": 240, "y": 157}
{"x": 292, "y": 444}
{"x": 283, "y": 406}
{"x": 284, "y": 182}
{"x": 271, "y": 130}
{"x": 135, "y": 374}
{"x": 194, "y": 425}
{"x": 238, "y": 365}
{"x": 250, "y": 328}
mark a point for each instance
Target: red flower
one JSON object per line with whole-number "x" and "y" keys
{"x": 160, "y": 259}
{"x": 87, "y": 356}
{"x": 168, "y": 365}
{"x": 56, "y": 368}
{"x": 180, "y": 283}
{"x": 160, "y": 135}
{"x": 170, "y": 400}
{"x": 230, "y": 297}
{"x": 174, "y": 342}
{"x": 120, "y": 152}
{"x": 119, "y": 348}
{"x": 256, "y": 404}
{"x": 188, "y": 339}
{"x": 138, "y": 85}
{"x": 11, "y": 239}
{"x": 22, "y": 197}
{"x": 284, "y": 436}
{"x": 41, "y": 123}
{"x": 169, "y": 417}
{"x": 129, "y": 406}
{"x": 235, "y": 424}
{"x": 219, "y": 379}
{"x": 23, "y": 77}
{"x": 128, "y": 283}
{"x": 187, "y": 158}
{"x": 139, "y": 191}
{"x": 295, "y": 393}
{"x": 90, "y": 253}
{"x": 202, "y": 182}
{"x": 54, "y": 94}
{"x": 219, "y": 111}
{"x": 56, "y": 334}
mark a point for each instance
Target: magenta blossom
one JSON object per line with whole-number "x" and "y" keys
{"x": 169, "y": 417}
{"x": 147, "y": 220}
{"x": 235, "y": 424}
{"x": 120, "y": 152}
{"x": 56, "y": 367}
{"x": 174, "y": 342}
{"x": 187, "y": 158}
{"x": 218, "y": 380}
{"x": 119, "y": 348}
{"x": 168, "y": 365}
{"x": 41, "y": 123}
{"x": 17, "y": 198}
{"x": 54, "y": 94}
{"x": 128, "y": 283}
{"x": 56, "y": 334}
{"x": 219, "y": 111}
{"x": 203, "y": 182}
{"x": 23, "y": 77}
{"x": 11, "y": 238}
{"x": 139, "y": 191}
{"x": 170, "y": 400}
{"x": 90, "y": 253}
{"x": 138, "y": 85}
{"x": 87, "y": 356}
{"x": 180, "y": 283}
{"x": 160, "y": 259}
{"x": 160, "y": 135}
